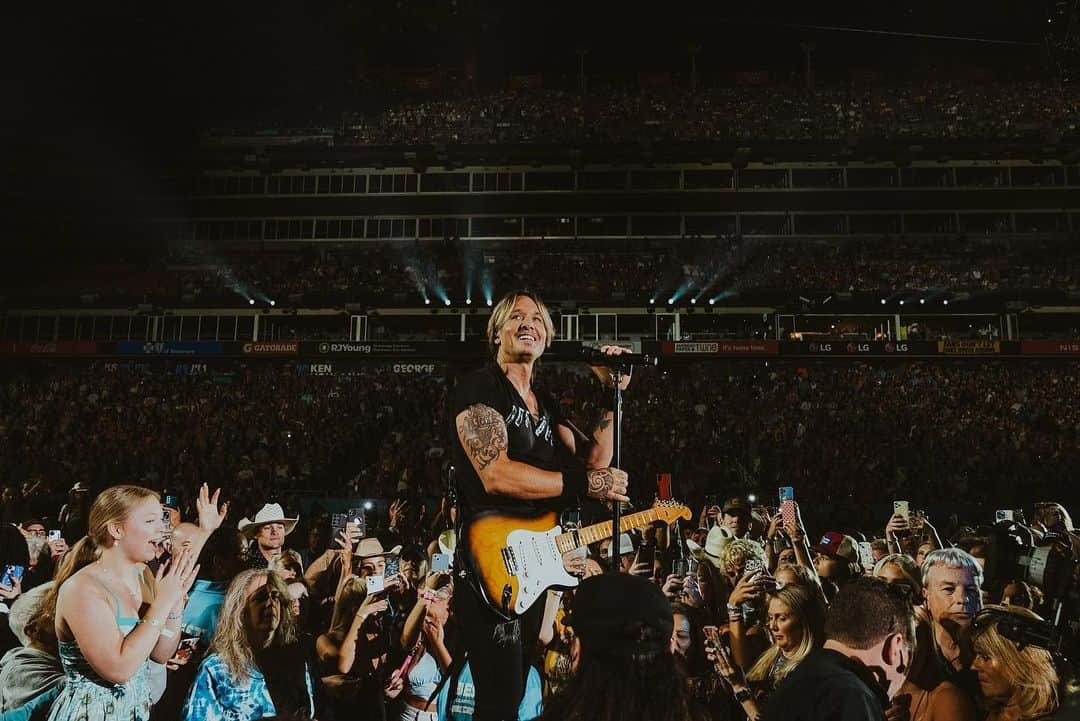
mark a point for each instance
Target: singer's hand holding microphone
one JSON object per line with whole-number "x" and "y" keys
{"x": 610, "y": 357}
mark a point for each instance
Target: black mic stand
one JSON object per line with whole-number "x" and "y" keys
{"x": 616, "y": 447}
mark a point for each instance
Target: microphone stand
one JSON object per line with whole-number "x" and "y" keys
{"x": 616, "y": 447}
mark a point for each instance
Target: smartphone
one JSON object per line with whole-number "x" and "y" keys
{"x": 393, "y": 566}
{"x": 171, "y": 501}
{"x": 54, "y": 536}
{"x": 186, "y": 646}
{"x": 338, "y": 522}
{"x": 692, "y": 590}
{"x": 12, "y": 573}
{"x": 680, "y": 567}
{"x": 358, "y": 520}
{"x": 712, "y": 635}
{"x": 753, "y": 565}
{"x": 787, "y": 493}
{"x": 663, "y": 486}
{"x": 713, "y": 499}
{"x": 646, "y": 553}
{"x": 440, "y": 562}
{"x": 866, "y": 556}
{"x": 1003, "y": 515}
{"x": 901, "y": 508}
{"x": 375, "y": 584}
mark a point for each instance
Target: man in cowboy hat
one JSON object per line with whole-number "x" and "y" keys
{"x": 372, "y": 557}
{"x": 266, "y": 532}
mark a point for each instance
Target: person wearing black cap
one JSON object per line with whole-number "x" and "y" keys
{"x": 515, "y": 453}
{"x": 736, "y": 516}
{"x": 624, "y": 665}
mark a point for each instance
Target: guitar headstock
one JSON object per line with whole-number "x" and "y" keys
{"x": 671, "y": 511}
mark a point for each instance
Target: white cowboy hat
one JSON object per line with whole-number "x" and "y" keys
{"x": 270, "y": 513}
{"x": 448, "y": 542}
{"x": 718, "y": 537}
{"x": 371, "y": 547}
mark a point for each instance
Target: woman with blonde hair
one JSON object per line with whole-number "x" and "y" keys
{"x": 255, "y": 667}
{"x": 899, "y": 568}
{"x": 796, "y": 624}
{"x": 1019, "y": 681}
{"x": 113, "y": 616}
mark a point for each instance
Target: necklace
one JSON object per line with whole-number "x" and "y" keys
{"x": 132, "y": 591}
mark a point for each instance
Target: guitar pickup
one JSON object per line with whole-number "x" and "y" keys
{"x": 510, "y": 561}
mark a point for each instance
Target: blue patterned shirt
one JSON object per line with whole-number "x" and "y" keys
{"x": 217, "y": 696}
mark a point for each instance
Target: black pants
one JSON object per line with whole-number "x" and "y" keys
{"x": 499, "y": 652}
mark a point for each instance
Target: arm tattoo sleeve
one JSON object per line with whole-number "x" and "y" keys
{"x": 483, "y": 434}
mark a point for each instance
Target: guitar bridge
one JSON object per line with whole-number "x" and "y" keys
{"x": 510, "y": 561}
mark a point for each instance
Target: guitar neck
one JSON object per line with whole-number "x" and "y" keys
{"x": 600, "y": 531}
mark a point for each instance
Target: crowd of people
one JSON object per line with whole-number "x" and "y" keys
{"x": 376, "y": 272}
{"x": 940, "y": 434}
{"x": 184, "y": 606}
{"x": 932, "y": 108}
{"x": 227, "y": 595}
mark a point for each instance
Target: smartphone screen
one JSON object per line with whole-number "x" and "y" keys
{"x": 338, "y": 521}
{"x": 753, "y": 565}
{"x": 12, "y": 573}
{"x": 866, "y": 555}
{"x": 1003, "y": 515}
{"x": 54, "y": 536}
{"x": 375, "y": 584}
{"x": 787, "y": 493}
{"x": 393, "y": 566}
{"x": 901, "y": 508}
{"x": 359, "y": 520}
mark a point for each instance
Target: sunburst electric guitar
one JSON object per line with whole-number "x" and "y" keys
{"x": 515, "y": 558}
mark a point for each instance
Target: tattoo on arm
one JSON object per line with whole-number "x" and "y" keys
{"x": 600, "y": 482}
{"x": 483, "y": 434}
{"x": 605, "y": 421}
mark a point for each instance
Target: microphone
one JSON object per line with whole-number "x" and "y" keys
{"x": 594, "y": 357}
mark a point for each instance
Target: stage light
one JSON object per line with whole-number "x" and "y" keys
{"x": 272, "y": 304}
{"x": 652, "y": 301}
{"x": 901, "y": 301}
{"x": 670, "y": 300}
{"x": 883, "y": 301}
{"x": 468, "y": 301}
{"x": 446, "y": 301}
{"x": 693, "y": 301}
{"x": 427, "y": 301}
{"x": 251, "y": 301}
{"x": 368, "y": 505}
{"x": 752, "y": 498}
{"x": 489, "y": 302}
{"x": 712, "y": 301}
{"x": 922, "y": 301}
{"x": 945, "y": 302}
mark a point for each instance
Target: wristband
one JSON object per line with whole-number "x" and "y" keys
{"x": 168, "y": 633}
{"x": 155, "y": 622}
{"x": 575, "y": 482}
{"x": 743, "y": 695}
{"x": 732, "y": 610}
{"x": 427, "y": 595}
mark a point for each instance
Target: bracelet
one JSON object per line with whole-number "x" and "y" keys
{"x": 427, "y": 595}
{"x": 735, "y": 619}
{"x": 155, "y": 622}
{"x": 732, "y": 610}
{"x": 168, "y": 633}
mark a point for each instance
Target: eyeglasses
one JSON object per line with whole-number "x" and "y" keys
{"x": 37, "y": 533}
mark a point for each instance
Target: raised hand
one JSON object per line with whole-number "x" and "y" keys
{"x": 397, "y": 512}
{"x": 210, "y": 515}
{"x": 608, "y": 484}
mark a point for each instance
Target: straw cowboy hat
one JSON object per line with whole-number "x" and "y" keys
{"x": 371, "y": 548}
{"x": 270, "y": 513}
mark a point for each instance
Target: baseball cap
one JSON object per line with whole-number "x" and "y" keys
{"x": 626, "y": 545}
{"x": 736, "y": 504}
{"x": 608, "y": 609}
{"x": 837, "y": 544}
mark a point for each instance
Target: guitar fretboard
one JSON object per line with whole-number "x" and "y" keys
{"x": 599, "y": 531}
